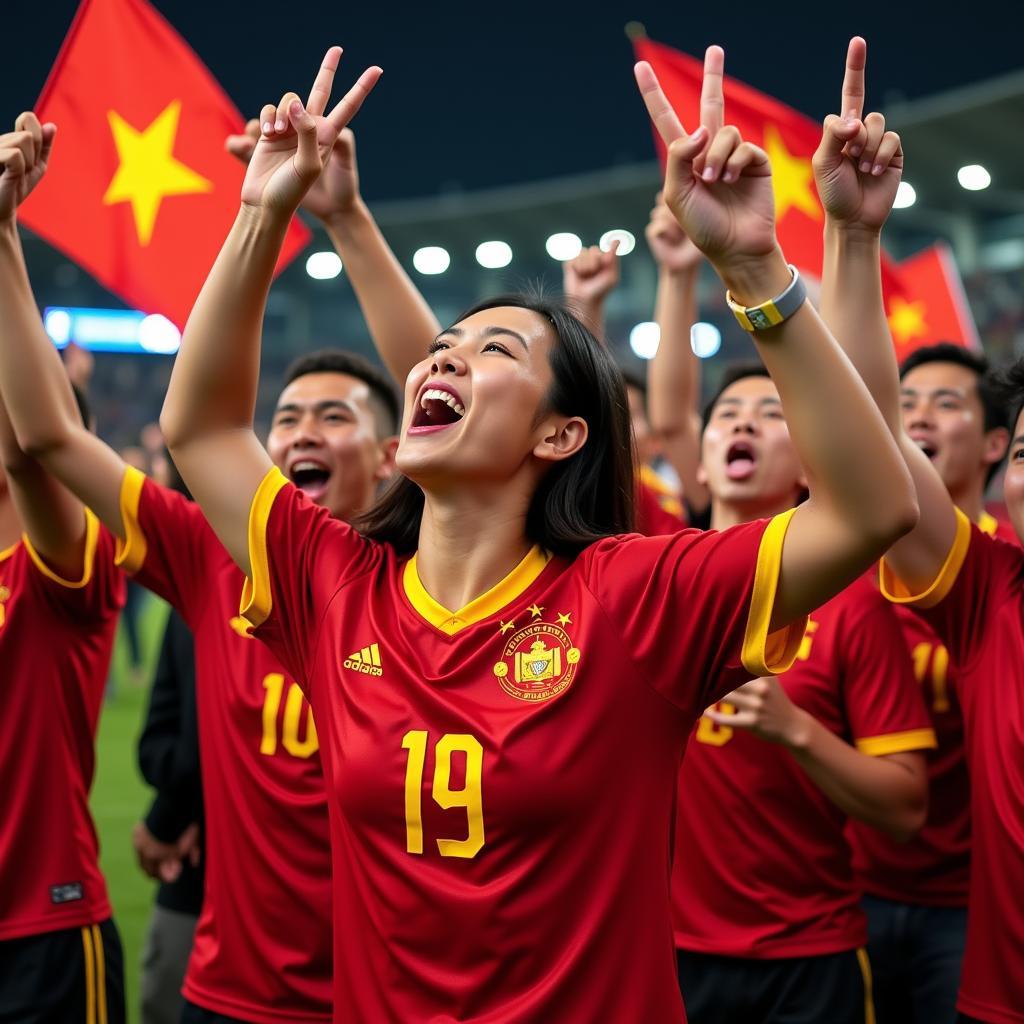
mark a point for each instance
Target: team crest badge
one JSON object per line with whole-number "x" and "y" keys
{"x": 538, "y": 662}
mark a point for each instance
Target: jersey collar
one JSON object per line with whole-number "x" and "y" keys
{"x": 482, "y": 607}
{"x": 7, "y": 552}
{"x": 988, "y": 523}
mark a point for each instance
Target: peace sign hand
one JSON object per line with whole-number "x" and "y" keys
{"x": 858, "y": 165}
{"x": 718, "y": 186}
{"x": 296, "y": 141}
{"x": 24, "y": 154}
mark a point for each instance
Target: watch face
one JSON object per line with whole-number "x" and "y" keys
{"x": 758, "y": 319}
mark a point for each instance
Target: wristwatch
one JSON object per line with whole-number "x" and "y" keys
{"x": 774, "y": 311}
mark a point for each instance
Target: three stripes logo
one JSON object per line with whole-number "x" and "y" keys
{"x": 366, "y": 661}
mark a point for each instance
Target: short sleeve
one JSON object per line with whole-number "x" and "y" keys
{"x": 694, "y": 609}
{"x": 884, "y": 708}
{"x": 300, "y": 558}
{"x": 95, "y": 593}
{"x": 980, "y": 574}
{"x": 165, "y": 543}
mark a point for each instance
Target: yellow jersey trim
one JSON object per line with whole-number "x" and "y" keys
{"x": 895, "y": 590}
{"x": 92, "y": 535}
{"x": 764, "y": 653}
{"x": 988, "y": 523}
{"x": 257, "y": 601}
{"x": 897, "y": 742}
{"x": 482, "y": 607}
{"x": 7, "y": 552}
{"x": 869, "y": 996}
{"x": 130, "y": 553}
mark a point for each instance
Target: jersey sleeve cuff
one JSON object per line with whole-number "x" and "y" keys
{"x": 764, "y": 653}
{"x": 895, "y": 590}
{"x": 897, "y": 742}
{"x": 130, "y": 553}
{"x": 92, "y": 533}
{"x": 257, "y": 601}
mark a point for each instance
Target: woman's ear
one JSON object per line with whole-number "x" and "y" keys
{"x": 563, "y": 438}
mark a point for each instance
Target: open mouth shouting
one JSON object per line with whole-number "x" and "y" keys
{"x": 439, "y": 406}
{"x": 925, "y": 444}
{"x": 311, "y": 476}
{"x": 740, "y": 461}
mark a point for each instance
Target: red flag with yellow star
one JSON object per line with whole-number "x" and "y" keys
{"x": 140, "y": 190}
{"x": 934, "y": 307}
{"x": 787, "y": 136}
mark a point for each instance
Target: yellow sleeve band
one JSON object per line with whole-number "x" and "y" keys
{"x": 895, "y": 590}
{"x": 130, "y": 553}
{"x": 257, "y": 600}
{"x": 764, "y": 653}
{"x": 92, "y": 534}
{"x": 897, "y": 742}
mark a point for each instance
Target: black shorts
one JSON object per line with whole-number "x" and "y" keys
{"x": 193, "y": 1014}
{"x": 830, "y": 989}
{"x": 72, "y": 976}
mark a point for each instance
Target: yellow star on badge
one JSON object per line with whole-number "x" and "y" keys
{"x": 148, "y": 171}
{"x": 906, "y": 320}
{"x": 535, "y": 611}
{"x": 792, "y": 178}
{"x": 565, "y": 620}
{"x": 506, "y": 626}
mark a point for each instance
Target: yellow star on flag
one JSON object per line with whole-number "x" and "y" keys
{"x": 565, "y": 620}
{"x": 792, "y": 178}
{"x": 906, "y": 321}
{"x": 535, "y": 611}
{"x": 148, "y": 171}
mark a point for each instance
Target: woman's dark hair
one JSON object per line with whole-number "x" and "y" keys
{"x": 1009, "y": 386}
{"x": 579, "y": 500}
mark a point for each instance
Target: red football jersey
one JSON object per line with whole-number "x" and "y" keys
{"x": 762, "y": 868}
{"x": 56, "y": 637}
{"x": 502, "y": 777}
{"x": 933, "y": 869}
{"x": 659, "y": 509}
{"x": 262, "y": 949}
{"x": 976, "y": 606}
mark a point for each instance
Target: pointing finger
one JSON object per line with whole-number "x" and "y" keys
{"x": 712, "y": 96}
{"x": 348, "y": 106}
{"x": 659, "y": 109}
{"x": 321, "y": 91}
{"x": 852, "y": 103}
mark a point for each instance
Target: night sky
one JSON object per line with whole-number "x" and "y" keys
{"x": 496, "y": 93}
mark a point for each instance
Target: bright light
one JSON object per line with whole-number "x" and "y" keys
{"x": 157, "y": 334}
{"x": 563, "y": 246}
{"x": 58, "y": 326}
{"x": 905, "y": 196}
{"x": 322, "y": 266}
{"x": 644, "y": 338}
{"x": 973, "y": 177}
{"x": 705, "y": 340}
{"x": 494, "y": 255}
{"x": 627, "y": 243}
{"x": 431, "y": 259}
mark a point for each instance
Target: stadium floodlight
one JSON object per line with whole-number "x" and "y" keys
{"x": 431, "y": 259}
{"x": 57, "y": 323}
{"x": 563, "y": 245}
{"x": 322, "y": 266}
{"x": 494, "y": 255}
{"x": 644, "y": 338}
{"x": 973, "y": 177}
{"x": 705, "y": 339}
{"x": 158, "y": 335}
{"x": 626, "y": 240}
{"x": 905, "y": 196}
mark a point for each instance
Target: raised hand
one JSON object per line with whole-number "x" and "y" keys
{"x": 858, "y": 164}
{"x": 669, "y": 246}
{"x": 296, "y": 141}
{"x": 718, "y": 187}
{"x": 335, "y": 193}
{"x": 591, "y": 276}
{"x": 24, "y": 155}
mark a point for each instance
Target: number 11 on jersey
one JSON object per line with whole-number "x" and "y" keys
{"x": 470, "y": 796}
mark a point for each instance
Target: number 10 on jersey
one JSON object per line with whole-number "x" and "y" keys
{"x": 469, "y": 797}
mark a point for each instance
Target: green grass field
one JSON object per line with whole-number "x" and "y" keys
{"x": 120, "y": 797}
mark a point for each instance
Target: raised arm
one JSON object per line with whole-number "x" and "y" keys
{"x": 861, "y": 496}
{"x": 857, "y": 170}
{"x": 673, "y": 375}
{"x": 207, "y": 417}
{"x": 400, "y": 322}
{"x": 588, "y": 280}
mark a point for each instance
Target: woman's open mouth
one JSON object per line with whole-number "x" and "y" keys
{"x": 437, "y": 408}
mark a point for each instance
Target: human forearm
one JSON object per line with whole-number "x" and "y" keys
{"x": 400, "y": 321}
{"x": 888, "y": 793}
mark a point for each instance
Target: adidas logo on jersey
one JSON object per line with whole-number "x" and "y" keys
{"x": 366, "y": 661}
